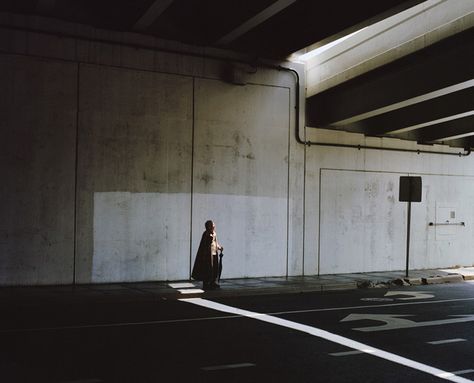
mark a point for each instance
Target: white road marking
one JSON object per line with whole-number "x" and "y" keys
{"x": 463, "y": 372}
{"x": 370, "y": 306}
{"x": 377, "y": 299}
{"x": 227, "y": 366}
{"x": 395, "y": 321}
{"x": 168, "y": 321}
{"x": 411, "y": 294}
{"x": 183, "y": 285}
{"x": 348, "y": 353}
{"x": 330, "y": 337}
{"x": 435, "y": 342}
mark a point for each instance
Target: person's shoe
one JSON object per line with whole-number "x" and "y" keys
{"x": 215, "y": 285}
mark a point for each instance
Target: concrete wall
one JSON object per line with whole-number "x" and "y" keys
{"x": 37, "y": 162}
{"x": 355, "y": 223}
{"x": 134, "y": 175}
{"x": 113, "y": 157}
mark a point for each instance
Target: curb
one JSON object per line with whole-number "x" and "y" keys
{"x": 452, "y": 278}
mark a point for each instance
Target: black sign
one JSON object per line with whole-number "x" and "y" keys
{"x": 410, "y": 189}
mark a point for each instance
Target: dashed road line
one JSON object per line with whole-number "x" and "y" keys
{"x": 228, "y": 366}
{"x": 463, "y": 372}
{"x": 326, "y": 335}
{"x": 348, "y": 353}
{"x": 168, "y": 321}
{"x": 436, "y": 342}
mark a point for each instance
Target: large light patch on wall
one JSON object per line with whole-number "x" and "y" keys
{"x": 134, "y": 169}
{"x": 139, "y": 236}
{"x": 240, "y": 174}
{"x": 252, "y": 230}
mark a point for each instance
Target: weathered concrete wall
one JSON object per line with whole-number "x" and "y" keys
{"x": 241, "y": 174}
{"x": 355, "y": 223}
{"x": 37, "y": 162}
{"x": 157, "y": 144}
{"x": 134, "y": 175}
{"x": 114, "y": 157}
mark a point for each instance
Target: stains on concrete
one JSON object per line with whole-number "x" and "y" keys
{"x": 242, "y": 147}
{"x": 206, "y": 178}
{"x": 372, "y": 189}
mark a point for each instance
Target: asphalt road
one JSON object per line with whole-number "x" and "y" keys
{"x": 407, "y": 334}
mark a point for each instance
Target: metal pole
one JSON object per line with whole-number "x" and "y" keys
{"x": 408, "y": 236}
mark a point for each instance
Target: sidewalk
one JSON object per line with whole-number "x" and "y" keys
{"x": 152, "y": 291}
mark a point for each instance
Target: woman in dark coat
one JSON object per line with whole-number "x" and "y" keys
{"x": 207, "y": 262}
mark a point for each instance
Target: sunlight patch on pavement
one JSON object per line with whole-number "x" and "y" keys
{"x": 191, "y": 291}
{"x": 182, "y": 285}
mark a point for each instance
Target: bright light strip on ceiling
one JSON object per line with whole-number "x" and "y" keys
{"x": 323, "y": 48}
{"x": 433, "y": 122}
{"x": 456, "y": 137}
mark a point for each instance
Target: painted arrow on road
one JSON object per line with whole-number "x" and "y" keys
{"x": 396, "y": 321}
{"x": 411, "y": 295}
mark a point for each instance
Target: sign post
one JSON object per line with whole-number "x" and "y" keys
{"x": 410, "y": 191}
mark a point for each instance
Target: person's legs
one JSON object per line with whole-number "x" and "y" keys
{"x": 215, "y": 268}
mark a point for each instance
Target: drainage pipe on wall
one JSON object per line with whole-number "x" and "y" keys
{"x": 466, "y": 153}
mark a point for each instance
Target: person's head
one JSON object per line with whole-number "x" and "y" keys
{"x": 210, "y": 226}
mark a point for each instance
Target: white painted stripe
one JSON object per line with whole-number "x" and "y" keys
{"x": 463, "y": 372}
{"x": 405, "y": 103}
{"x": 182, "y": 285}
{"x": 228, "y": 366}
{"x": 168, "y": 321}
{"x": 435, "y": 342}
{"x": 191, "y": 291}
{"x": 330, "y": 337}
{"x": 348, "y": 353}
{"x": 371, "y": 306}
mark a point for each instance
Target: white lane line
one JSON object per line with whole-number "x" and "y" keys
{"x": 462, "y": 372}
{"x": 330, "y": 337}
{"x": 454, "y": 340}
{"x": 370, "y": 306}
{"x": 120, "y": 324}
{"x": 348, "y": 353}
{"x": 227, "y": 366}
{"x": 168, "y": 321}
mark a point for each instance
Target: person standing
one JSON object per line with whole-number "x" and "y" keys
{"x": 206, "y": 265}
